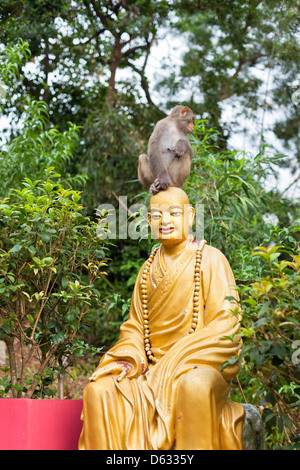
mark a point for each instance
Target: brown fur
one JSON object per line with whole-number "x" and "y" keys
{"x": 168, "y": 161}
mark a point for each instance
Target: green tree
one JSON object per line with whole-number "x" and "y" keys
{"x": 244, "y": 54}
{"x": 50, "y": 260}
{"x": 77, "y": 50}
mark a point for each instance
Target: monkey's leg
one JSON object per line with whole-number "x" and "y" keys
{"x": 180, "y": 169}
{"x": 145, "y": 174}
{"x": 155, "y": 187}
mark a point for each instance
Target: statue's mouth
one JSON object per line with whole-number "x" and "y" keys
{"x": 165, "y": 230}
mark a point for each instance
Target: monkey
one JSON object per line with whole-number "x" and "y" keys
{"x": 169, "y": 154}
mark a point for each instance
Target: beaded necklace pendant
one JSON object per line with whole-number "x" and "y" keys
{"x": 196, "y": 296}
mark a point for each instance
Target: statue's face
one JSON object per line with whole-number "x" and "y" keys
{"x": 171, "y": 216}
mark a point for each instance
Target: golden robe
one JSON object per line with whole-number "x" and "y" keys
{"x": 181, "y": 402}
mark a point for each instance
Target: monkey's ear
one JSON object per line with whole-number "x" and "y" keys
{"x": 184, "y": 111}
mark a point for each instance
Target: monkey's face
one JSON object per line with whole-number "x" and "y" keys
{"x": 171, "y": 216}
{"x": 190, "y": 124}
{"x": 184, "y": 118}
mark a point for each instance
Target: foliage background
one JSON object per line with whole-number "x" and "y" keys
{"x": 77, "y": 95}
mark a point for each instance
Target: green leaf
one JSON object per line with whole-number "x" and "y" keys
{"x": 278, "y": 350}
{"x": 48, "y": 260}
{"x": 6, "y": 328}
{"x": 64, "y": 282}
{"x": 254, "y": 354}
{"x": 233, "y": 360}
{"x": 58, "y": 337}
{"x": 268, "y": 398}
{"x": 44, "y": 237}
{"x": 17, "y": 387}
{"x": 48, "y": 186}
{"x": 274, "y": 256}
{"x": 16, "y": 248}
{"x": 259, "y": 323}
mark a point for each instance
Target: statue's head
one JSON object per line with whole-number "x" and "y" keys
{"x": 171, "y": 216}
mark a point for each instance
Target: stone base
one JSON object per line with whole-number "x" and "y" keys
{"x": 253, "y": 429}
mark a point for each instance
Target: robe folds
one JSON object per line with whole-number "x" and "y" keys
{"x": 181, "y": 402}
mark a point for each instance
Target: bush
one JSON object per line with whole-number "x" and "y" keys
{"x": 38, "y": 146}
{"x": 270, "y": 357}
{"x": 50, "y": 257}
{"x": 231, "y": 187}
{"x": 237, "y": 214}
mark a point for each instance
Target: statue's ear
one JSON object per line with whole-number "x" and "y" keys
{"x": 191, "y": 212}
{"x": 149, "y": 218}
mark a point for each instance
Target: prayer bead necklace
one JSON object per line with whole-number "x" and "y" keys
{"x": 196, "y": 309}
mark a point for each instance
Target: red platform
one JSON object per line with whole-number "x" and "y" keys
{"x": 39, "y": 424}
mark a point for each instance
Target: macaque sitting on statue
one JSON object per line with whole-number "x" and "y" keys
{"x": 168, "y": 162}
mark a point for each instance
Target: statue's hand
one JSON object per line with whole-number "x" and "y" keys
{"x": 120, "y": 367}
{"x": 126, "y": 368}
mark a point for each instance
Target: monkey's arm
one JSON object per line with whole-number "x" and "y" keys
{"x": 183, "y": 146}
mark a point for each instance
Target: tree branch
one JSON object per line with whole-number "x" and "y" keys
{"x": 223, "y": 91}
{"x": 104, "y": 18}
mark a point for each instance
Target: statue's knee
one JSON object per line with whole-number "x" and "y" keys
{"x": 97, "y": 388}
{"x": 199, "y": 381}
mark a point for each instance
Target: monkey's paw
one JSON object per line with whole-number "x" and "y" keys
{"x": 155, "y": 187}
{"x": 180, "y": 148}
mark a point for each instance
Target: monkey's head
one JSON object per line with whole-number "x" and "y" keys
{"x": 184, "y": 118}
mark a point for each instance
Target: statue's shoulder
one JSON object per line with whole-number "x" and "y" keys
{"x": 213, "y": 254}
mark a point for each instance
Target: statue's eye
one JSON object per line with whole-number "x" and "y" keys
{"x": 175, "y": 213}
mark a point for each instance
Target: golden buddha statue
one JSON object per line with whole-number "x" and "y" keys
{"x": 160, "y": 387}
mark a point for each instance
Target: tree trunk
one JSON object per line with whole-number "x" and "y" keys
{"x": 117, "y": 55}
{"x": 12, "y": 363}
{"x": 2, "y": 353}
